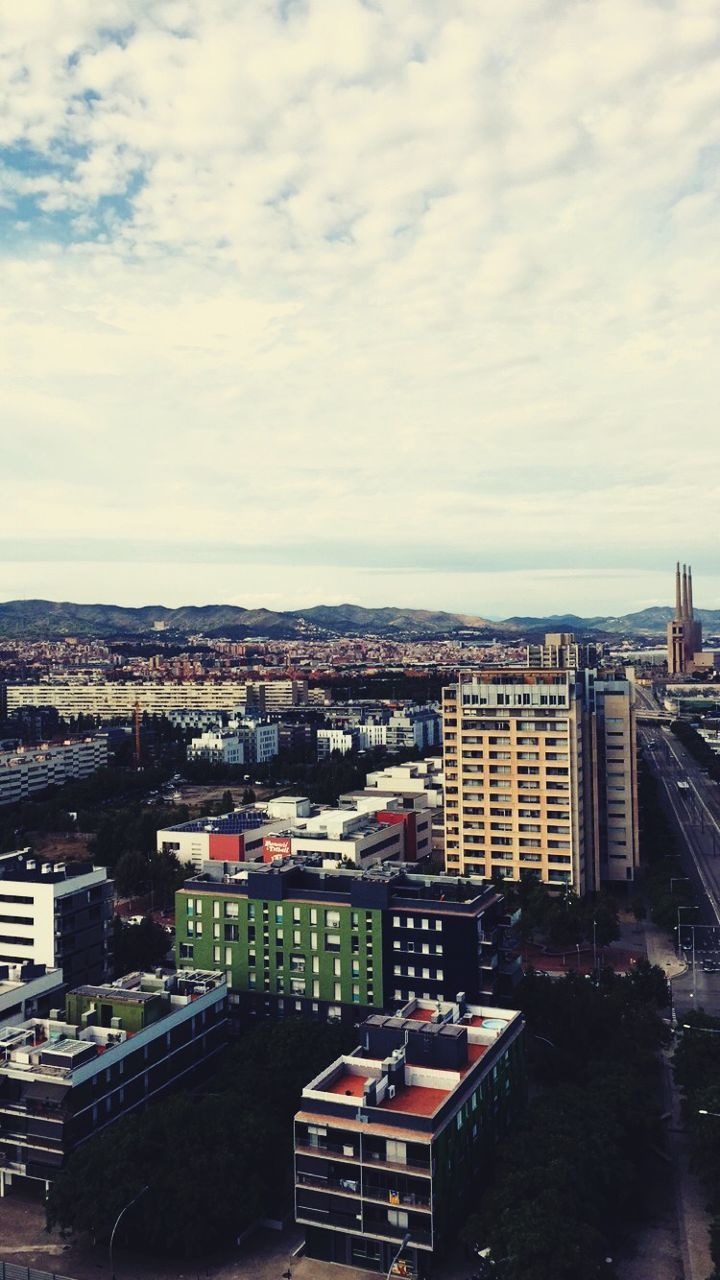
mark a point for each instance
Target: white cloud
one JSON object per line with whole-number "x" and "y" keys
{"x": 453, "y": 261}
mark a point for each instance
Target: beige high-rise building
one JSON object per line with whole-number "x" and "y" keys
{"x": 541, "y": 777}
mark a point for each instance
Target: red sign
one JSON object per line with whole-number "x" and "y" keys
{"x": 276, "y": 847}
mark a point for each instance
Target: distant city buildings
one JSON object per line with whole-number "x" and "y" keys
{"x": 27, "y": 770}
{"x": 541, "y": 777}
{"x": 393, "y": 1140}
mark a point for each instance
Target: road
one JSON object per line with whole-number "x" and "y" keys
{"x": 695, "y": 811}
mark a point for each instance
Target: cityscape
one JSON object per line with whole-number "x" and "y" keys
{"x": 427, "y": 876}
{"x": 359, "y": 640}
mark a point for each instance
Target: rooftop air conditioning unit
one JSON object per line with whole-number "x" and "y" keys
{"x": 391, "y": 1091}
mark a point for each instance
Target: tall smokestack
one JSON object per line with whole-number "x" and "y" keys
{"x": 684, "y": 592}
{"x": 691, "y": 615}
{"x": 678, "y": 604}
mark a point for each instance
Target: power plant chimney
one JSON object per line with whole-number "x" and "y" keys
{"x": 685, "y": 593}
{"x": 691, "y": 615}
{"x": 678, "y": 602}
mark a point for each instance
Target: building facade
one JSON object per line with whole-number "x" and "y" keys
{"x": 56, "y": 914}
{"x": 27, "y": 770}
{"x": 392, "y": 1139}
{"x": 297, "y": 940}
{"x": 119, "y": 1045}
{"x": 541, "y": 777}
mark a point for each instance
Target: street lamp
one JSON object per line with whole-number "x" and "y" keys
{"x": 693, "y": 908}
{"x": 403, "y": 1242}
{"x": 703, "y": 1112}
{"x": 121, "y": 1214}
{"x": 709, "y": 1031}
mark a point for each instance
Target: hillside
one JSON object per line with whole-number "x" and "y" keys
{"x": 46, "y": 619}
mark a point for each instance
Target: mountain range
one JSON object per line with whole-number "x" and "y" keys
{"x": 45, "y": 619}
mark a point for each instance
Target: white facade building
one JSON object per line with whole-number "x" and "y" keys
{"x": 115, "y": 699}
{"x": 26, "y": 770}
{"x": 217, "y": 748}
{"x": 26, "y": 990}
{"x": 329, "y": 740}
{"x": 56, "y": 914}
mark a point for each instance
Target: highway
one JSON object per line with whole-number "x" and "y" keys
{"x": 694, "y": 808}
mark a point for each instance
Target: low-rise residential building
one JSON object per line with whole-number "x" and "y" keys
{"x": 392, "y": 1139}
{"x": 27, "y": 770}
{"x": 217, "y": 747}
{"x": 342, "y": 740}
{"x": 28, "y": 990}
{"x": 415, "y": 778}
{"x": 297, "y": 939}
{"x": 64, "y": 1078}
{"x": 230, "y": 837}
{"x": 57, "y": 914}
{"x": 414, "y": 727}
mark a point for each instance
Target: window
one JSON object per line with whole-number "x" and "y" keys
{"x": 332, "y": 941}
{"x": 231, "y": 933}
{"x": 232, "y": 910}
{"x": 186, "y": 951}
{"x": 332, "y": 919}
{"x": 228, "y": 955}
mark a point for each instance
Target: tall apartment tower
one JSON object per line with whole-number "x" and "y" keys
{"x": 684, "y": 632}
{"x": 541, "y": 777}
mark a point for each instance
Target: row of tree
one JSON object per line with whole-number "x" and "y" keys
{"x": 213, "y": 1162}
{"x": 697, "y": 1072}
{"x": 563, "y": 920}
{"x": 699, "y": 749}
{"x": 570, "y": 1182}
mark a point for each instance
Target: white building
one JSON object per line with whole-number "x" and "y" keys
{"x": 217, "y": 748}
{"x": 329, "y": 740}
{"x": 260, "y": 740}
{"x": 230, "y": 837}
{"x": 26, "y": 770}
{"x": 371, "y": 735}
{"x": 419, "y": 727}
{"x": 114, "y": 699}
{"x": 57, "y": 914}
{"x": 27, "y": 991}
{"x": 423, "y": 778}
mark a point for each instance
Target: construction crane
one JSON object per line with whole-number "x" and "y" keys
{"x": 137, "y": 715}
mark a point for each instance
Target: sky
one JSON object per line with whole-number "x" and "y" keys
{"x": 410, "y": 302}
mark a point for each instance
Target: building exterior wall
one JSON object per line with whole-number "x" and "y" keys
{"x": 527, "y": 757}
{"x": 336, "y": 942}
{"x": 45, "y": 1115}
{"x": 115, "y": 699}
{"x": 27, "y": 770}
{"x": 61, "y": 922}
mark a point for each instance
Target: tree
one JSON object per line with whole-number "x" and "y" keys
{"x": 248, "y": 796}
{"x": 139, "y": 946}
{"x": 131, "y": 874}
{"x": 227, "y": 803}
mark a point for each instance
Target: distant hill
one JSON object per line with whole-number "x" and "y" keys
{"x": 45, "y": 618}
{"x": 38, "y": 619}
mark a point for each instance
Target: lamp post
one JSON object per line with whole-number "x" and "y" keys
{"x": 693, "y": 908}
{"x": 121, "y": 1214}
{"x": 595, "y": 972}
{"x": 403, "y": 1242}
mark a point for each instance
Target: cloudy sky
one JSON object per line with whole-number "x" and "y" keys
{"x": 396, "y": 301}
